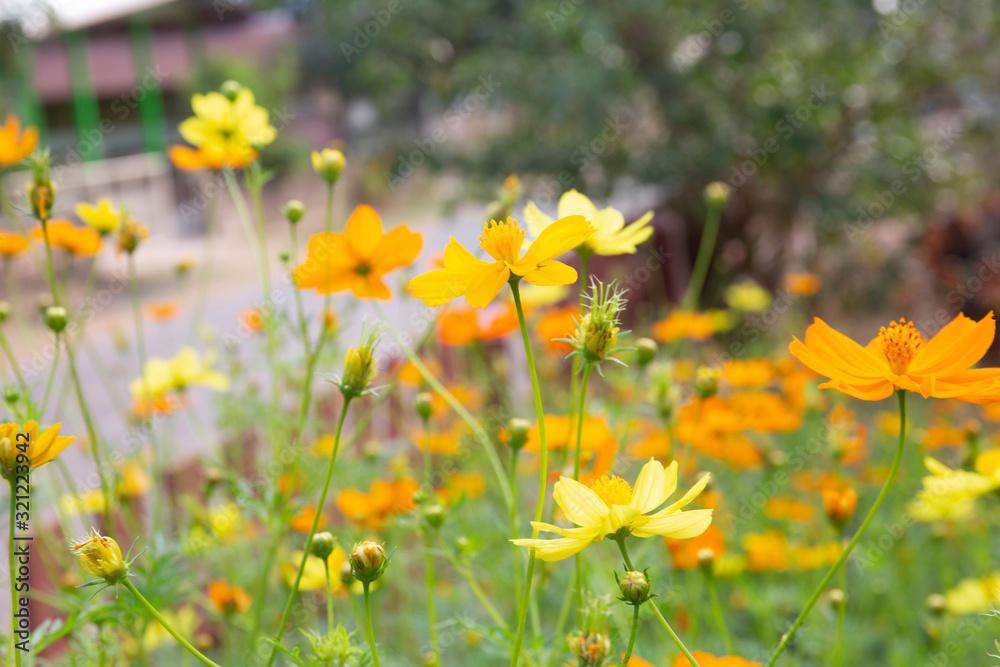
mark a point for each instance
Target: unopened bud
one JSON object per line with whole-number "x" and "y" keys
{"x": 101, "y": 557}
{"x": 56, "y": 318}
{"x": 706, "y": 558}
{"x": 592, "y": 649}
{"x": 517, "y": 432}
{"x": 328, "y": 163}
{"x": 360, "y": 365}
{"x": 645, "y": 351}
{"x": 634, "y": 587}
{"x": 230, "y": 89}
{"x": 434, "y": 515}
{"x": 717, "y": 193}
{"x": 707, "y": 381}
{"x": 368, "y": 561}
{"x": 422, "y": 403}
{"x": 293, "y": 210}
{"x": 840, "y": 505}
{"x": 937, "y": 604}
{"x": 837, "y": 597}
{"x": 322, "y": 545}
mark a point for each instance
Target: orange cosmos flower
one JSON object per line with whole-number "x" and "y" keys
{"x": 358, "y": 258}
{"x": 559, "y": 323}
{"x": 709, "y": 660}
{"x": 162, "y": 310}
{"x": 227, "y": 598}
{"x": 64, "y": 234}
{"x": 480, "y": 281}
{"x": 801, "y": 284}
{"x": 16, "y": 145}
{"x": 685, "y": 324}
{"x": 302, "y": 522}
{"x": 252, "y": 319}
{"x": 788, "y": 509}
{"x": 211, "y": 157}
{"x": 12, "y": 243}
{"x": 462, "y": 325}
{"x": 460, "y": 485}
{"x": 384, "y": 499}
{"x": 899, "y": 358}
{"x": 748, "y": 372}
{"x": 685, "y": 552}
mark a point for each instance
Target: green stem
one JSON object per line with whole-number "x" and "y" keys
{"x": 368, "y": 624}
{"x": 631, "y": 639}
{"x": 514, "y": 520}
{"x": 705, "y": 250}
{"x": 587, "y": 368}
{"x": 838, "y": 652}
{"x": 720, "y": 619}
{"x": 477, "y": 590}
{"x": 543, "y": 472}
{"x": 329, "y": 597}
{"x": 53, "y": 366}
{"x": 12, "y": 361}
{"x": 312, "y": 531}
{"x": 431, "y": 614}
{"x": 166, "y": 625}
{"x": 786, "y": 639}
{"x": 666, "y": 626}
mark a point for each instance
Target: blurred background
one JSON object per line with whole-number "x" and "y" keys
{"x": 859, "y": 137}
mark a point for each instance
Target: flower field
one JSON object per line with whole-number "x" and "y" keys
{"x": 504, "y": 452}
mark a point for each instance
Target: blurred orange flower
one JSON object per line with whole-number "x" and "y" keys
{"x": 12, "y": 243}
{"x": 748, "y": 372}
{"x": 227, "y": 598}
{"x": 161, "y": 311}
{"x": 252, "y": 319}
{"x": 685, "y": 324}
{"x": 64, "y": 234}
{"x": 461, "y": 485}
{"x": 802, "y": 284}
{"x": 788, "y": 509}
{"x": 16, "y": 145}
{"x": 370, "y": 510}
{"x": 358, "y": 258}
{"x": 210, "y": 157}
{"x": 684, "y": 553}
{"x": 709, "y": 660}
{"x": 302, "y": 522}
{"x": 558, "y": 323}
{"x": 462, "y": 324}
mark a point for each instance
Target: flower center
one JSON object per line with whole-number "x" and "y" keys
{"x": 900, "y": 342}
{"x": 502, "y": 240}
{"x": 613, "y": 490}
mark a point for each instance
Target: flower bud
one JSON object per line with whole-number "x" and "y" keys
{"x": 717, "y": 193}
{"x": 346, "y": 574}
{"x": 40, "y": 189}
{"x": 840, "y": 505}
{"x": 517, "y": 432}
{"x": 322, "y": 545}
{"x": 645, "y": 351}
{"x": 130, "y": 234}
{"x": 707, "y": 381}
{"x": 56, "y": 318}
{"x": 596, "y": 335}
{"x": 634, "y": 587}
{"x": 284, "y": 256}
{"x": 293, "y": 210}
{"x": 422, "y": 403}
{"x": 591, "y": 649}
{"x": 368, "y": 561}
{"x": 937, "y": 604}
{"x": 837, "y": 597}
{"x": 328, "y": 163}
{"x": 230, "y": 89}
{"x": 4, "y": 311}
{"x": 360, "y": 365}
{"x": 706, "y": 559}
{"x": 101, "y": 557}
{"x": 434, "y": 515}
{"x": 11, "y": 394}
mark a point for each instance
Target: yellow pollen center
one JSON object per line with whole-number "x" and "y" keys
{"x": 900, "y": 342}
{"x": 613, "y": 490}
{"x": 502, "y": 240}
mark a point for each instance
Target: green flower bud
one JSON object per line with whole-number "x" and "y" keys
{"x": 230, "y": 89}
{"x": 422, "y": 403}
{"x": 293, "y": 210}
{"x": 645, "y": 351}
{"x": 717, "y": 193}
{"x": 837, "y": 597}
{"x": 634, "y": 587}
{"x": 707, "y": 381}
{"x": 284, "y": 256}
{"x": 591, "y": 649}
{"x": 56, "y": 318}
{"x": 368, "y": 561}
{"x": 4, "y": 311}
{"x": 434, "y": 515}
{"x": 323, "y": 544}
{"x": 937, "y": 604}
{"x": 328, "y": 163}
{"x": 360, "y": 365}
{"x": 706, "y": 559}
{"x": 517, "y": 432}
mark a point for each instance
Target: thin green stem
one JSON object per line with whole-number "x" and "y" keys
{"x": 720, "y": 619}
{"x": 477, "y": 590}
{"x": 53, "y": 366}
{"x": 587, "y": 368}
{"x": 312, "y": 530}
{"x": 631, "y": 639}
{"x": 368, "y": 625}
{"x": 838, "y": 651}
{"x": 543, "y": 472}
{"x": 514, "y": 519}
{"x": 786, "y": 639}
{"x": 166, "y": 624}
{"x": 666, "y": 626}
{"x": 329, "y": 597}
{"x": 12, "y": 361}
{"x": 705, "y": 250}
{"x": 431, "y": 613}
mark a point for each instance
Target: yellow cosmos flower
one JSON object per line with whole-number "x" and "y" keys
{"x": 974, "y": 596}
{"x": 947, "y": 493}
{"x": 314, "y": 576}
{"x": 185, "y": 369}
{"x": 226, "y": 131}
{"x": 101, "y": 557}
{"x": 612, "y": 236}
{"x": 103, "y": 216}
{"x": 16, "y": 145}
{"x": 611, "y": 507}
{"x": 480, "y": 281}
{"x": 40, "y": 449}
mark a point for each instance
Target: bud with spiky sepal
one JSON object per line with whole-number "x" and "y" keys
{"x": 360, "y": 365}
{"x": 592, "y": 649}
{"x": 634, "y": 587}
{"x": 100, "y": 556}
{"x": 596, "y": 336}
{"x": 40, "y": 189}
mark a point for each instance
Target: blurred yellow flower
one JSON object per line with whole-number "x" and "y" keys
{"x": 747, "y": 296}
{"x": 228, "y": 126}
{"x": 480, "y": 281}
{"x": 185, "y": 369}
{"x": 314, "y": 575}
{"x": 16, "y": 439}
{"x": 974, "y": 596}
{"x": 611, "y": 235}
{"x": 103, "y": 216}
{"x": 101, "y": 557}
{"x": 610, "y": 506}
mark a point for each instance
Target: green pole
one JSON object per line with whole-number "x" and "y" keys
{"x": 29, "y": 109}
{"x": 85, "y": 108}
{"x": 151, "y": 114}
